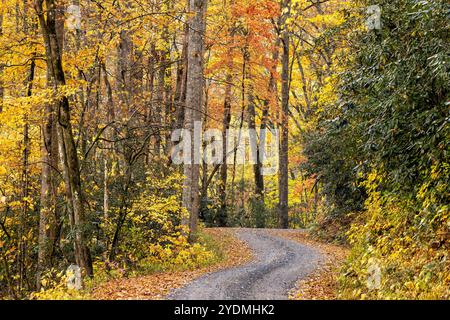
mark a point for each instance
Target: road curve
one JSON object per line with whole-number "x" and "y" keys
{"x": 278, "y": 264}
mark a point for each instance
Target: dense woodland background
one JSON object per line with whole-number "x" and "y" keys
{"x": 88, "y": 103}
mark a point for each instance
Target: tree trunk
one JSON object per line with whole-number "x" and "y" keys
{"x": 222, "y": 218}
{"x": 258, "y": 200}
{"x": 109, "y": 133}
{"x": 259, "y": 178}
{"x": 241, "y": 124}
{"x": 124, "y": 205}
{"x": 180, "y": 90}
{"x": 283, "y": 204}
{"x": 194, "y": 104}
{"x": 123, "y": 72}
{"x": 25, "y": 175}
{"x": 158, "y": 101}
{"x": 47, "y": 209}
{"x": 304, "y": 86}
{"x": 66, "y": 143}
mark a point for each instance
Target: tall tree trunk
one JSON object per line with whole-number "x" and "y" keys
{"x": 123, "y": 211}
{"x": 222, "y": 218}
{"x": 257, "y": 167}
{"x": 123, "y": 72}
{"x": 304, "y": 86}
{"x": 47, "y": 208}
{"x": 258, "y": 201}
{"x": 194, "y": 104}
{"x": 241, "y": 124}
{"x": 109, "y": 153}
{"x": 22, "y": 252}
{"x": 150, "y": 108}
{"x": 158, "y": 101}
{"x": 179, "y": 98}
{"x": 48, "y": 218}
{"x": 25, "y": 173}
{"x": 180, "y": 90}
{"x": 167, "y": 83}
{"x": 273, "y": 97}
{"x": 66, "y": 142}
{"x": 283, "y": 191}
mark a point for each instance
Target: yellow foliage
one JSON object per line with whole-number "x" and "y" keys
{"x": 412, "y": 264}
{"x": 54, "y": 287}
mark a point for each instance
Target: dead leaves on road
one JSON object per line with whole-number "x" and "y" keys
{"x": 322, "y": 283}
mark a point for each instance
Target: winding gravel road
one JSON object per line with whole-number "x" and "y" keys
{"x": 277, "y": 266}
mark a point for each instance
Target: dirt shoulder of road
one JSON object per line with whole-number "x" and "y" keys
{"x": 157, "y": 286}
{"x": 322, "y": 283}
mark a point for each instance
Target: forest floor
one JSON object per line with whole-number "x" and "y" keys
{"x": 258, "y": 264}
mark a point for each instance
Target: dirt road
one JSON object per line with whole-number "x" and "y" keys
{"x": 278, "y": 264}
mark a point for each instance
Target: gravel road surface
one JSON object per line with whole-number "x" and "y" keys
{"x": 278, "y": 264}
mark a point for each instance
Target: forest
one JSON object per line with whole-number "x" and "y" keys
{"x": 133, "y": 134}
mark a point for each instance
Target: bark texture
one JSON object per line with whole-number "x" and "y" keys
{"x": 194, "y": 106}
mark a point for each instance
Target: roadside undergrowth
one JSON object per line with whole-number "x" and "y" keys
{"x": 225, "y": 249}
